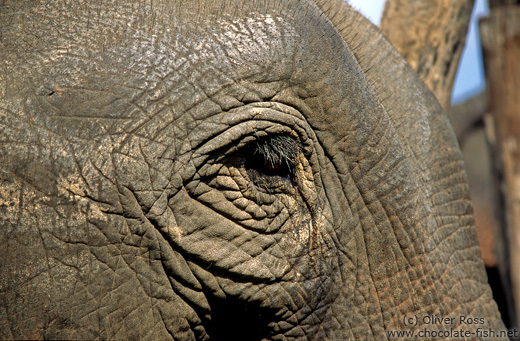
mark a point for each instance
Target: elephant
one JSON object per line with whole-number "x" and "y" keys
{"x": 224, "y": 169}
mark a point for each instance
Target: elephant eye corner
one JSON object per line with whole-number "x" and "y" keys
{"x": 272, "y": 156}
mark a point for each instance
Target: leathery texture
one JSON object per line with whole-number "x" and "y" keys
{"x": 223, "y": 170}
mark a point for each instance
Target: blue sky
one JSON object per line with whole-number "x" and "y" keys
{"x": 469, "y": 80}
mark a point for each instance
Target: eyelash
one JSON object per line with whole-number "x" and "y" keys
{"x": 272, "y": 156}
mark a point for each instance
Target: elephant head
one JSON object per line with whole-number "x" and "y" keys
{"x": 225, "y": 169}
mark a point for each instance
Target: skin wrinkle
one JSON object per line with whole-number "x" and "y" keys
{"x": 273, "y": 243}
{"x": 149, "y": 260}
{"x": 389, "y": 220}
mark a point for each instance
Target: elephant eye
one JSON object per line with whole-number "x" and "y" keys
{"x": 272, "y": 156}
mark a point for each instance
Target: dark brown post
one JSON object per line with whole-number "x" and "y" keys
{"x": 500, "y": 34}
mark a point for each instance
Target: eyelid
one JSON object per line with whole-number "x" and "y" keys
{"x": 258, "y": 119}
{"x": 239, "y": 127}
{"x": 235, "y": 137}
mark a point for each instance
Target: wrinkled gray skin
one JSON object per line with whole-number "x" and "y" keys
{"x": 224, "y": 169}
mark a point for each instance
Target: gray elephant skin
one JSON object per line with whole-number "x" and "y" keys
{"x": 220, "y": 170}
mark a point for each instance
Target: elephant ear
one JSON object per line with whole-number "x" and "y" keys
{"x": 450, "y": 244}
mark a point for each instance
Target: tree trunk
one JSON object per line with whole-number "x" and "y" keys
{"x": 430, "y": 34}
{"x": 500, "y": 34}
